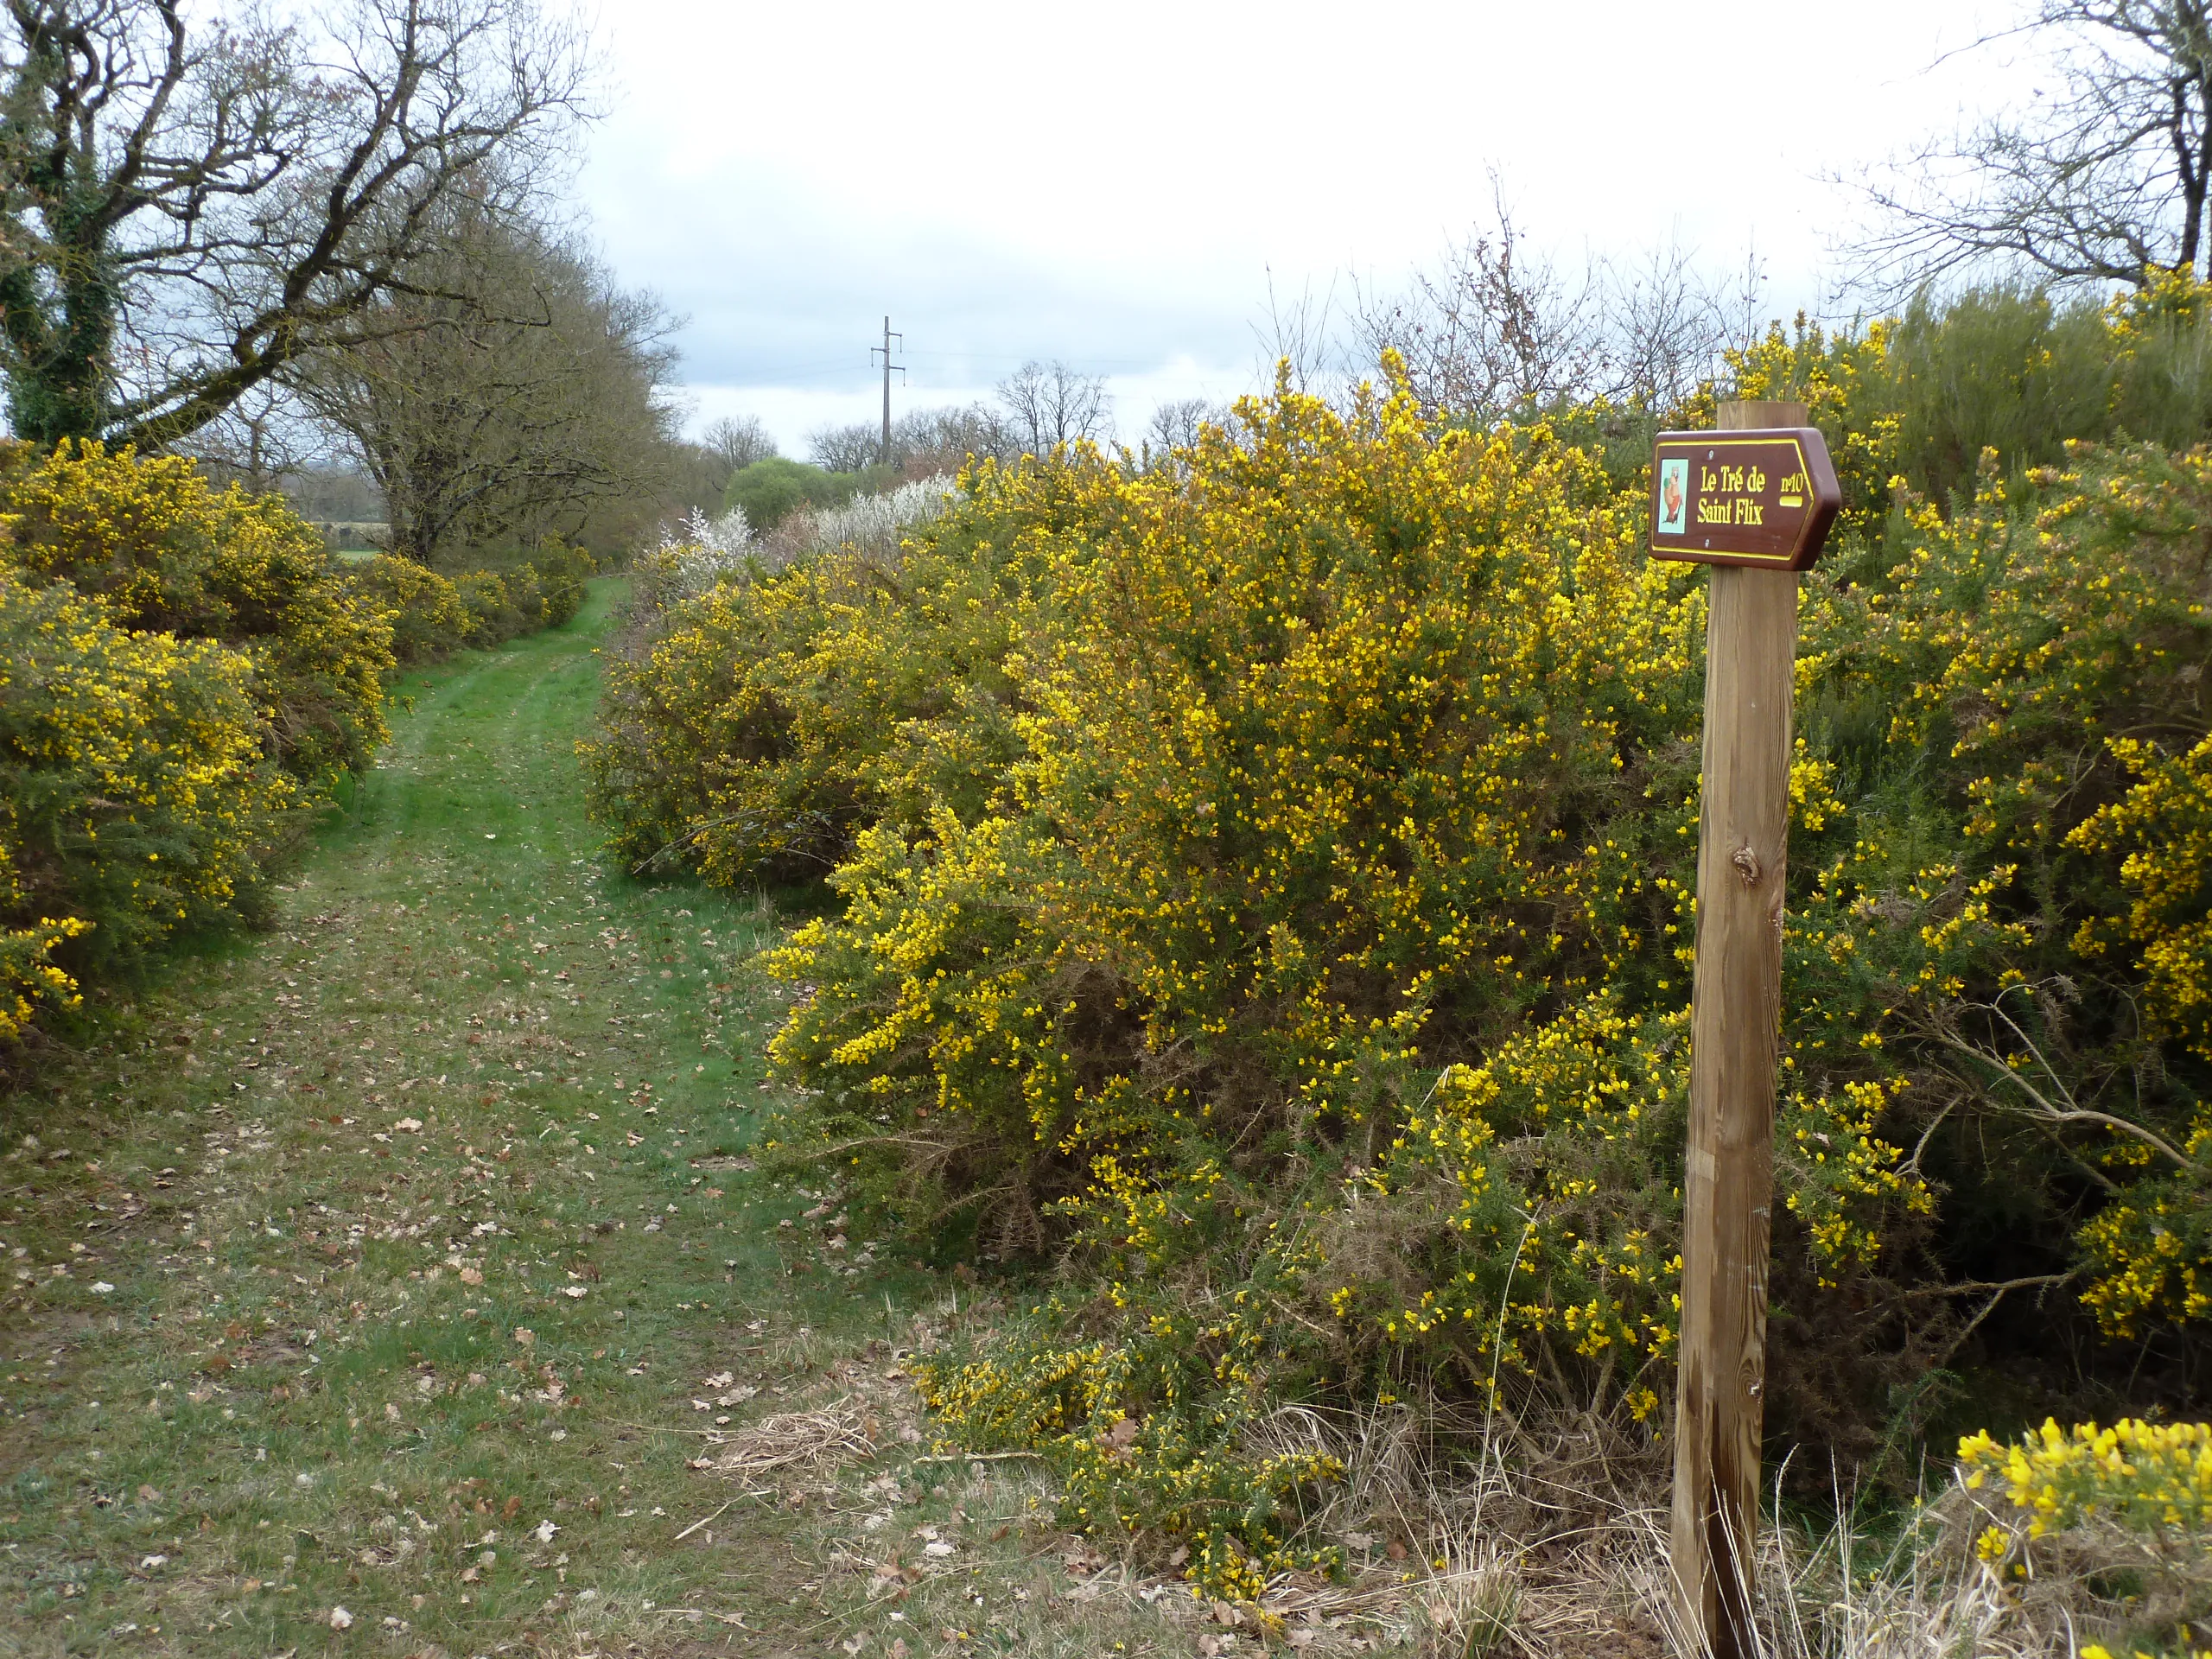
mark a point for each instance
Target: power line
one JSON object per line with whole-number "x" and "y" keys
{"x": 1082, "y": 364}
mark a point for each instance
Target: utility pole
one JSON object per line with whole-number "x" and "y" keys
{"x": 887, "y": 366}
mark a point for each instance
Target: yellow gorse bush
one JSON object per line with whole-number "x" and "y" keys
{"x": 428, "y": 619}
{"x": 433, "y": 615}
{"x": 162, "y": 551}
{"x": 181, "y": 668}
{"x": 137, "y": 792}
{"x": 2149, "y": 1476}
{"x": 1267, "y": 878}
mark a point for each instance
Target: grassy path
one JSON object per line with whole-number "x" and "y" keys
{"x": 393, "y": 1282}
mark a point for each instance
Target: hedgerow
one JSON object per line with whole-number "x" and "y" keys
{"x": 184, "y": 671}
{"x": 787, "y": 679}
{"x": 162, "y": 551}
{"x": 1266, "y": 888}
{"x": 187, "y": 672}
{"x": 523, "y": 596}
{"x": 138, "y": 793}
{"x": 428, "y": 620}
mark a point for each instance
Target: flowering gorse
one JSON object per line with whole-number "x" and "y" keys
{"x": 2153, "y": 1477}
{"x": 159, "y": 549}
{"x": 1269, "y": 882}
{"x": 137, "y": 795}
{"x": 182, "y": 671}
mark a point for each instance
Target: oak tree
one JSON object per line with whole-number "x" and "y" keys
{"x": 191, "y": 204}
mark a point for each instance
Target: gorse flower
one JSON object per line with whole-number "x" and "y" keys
{"x": 2153, "y": 1477}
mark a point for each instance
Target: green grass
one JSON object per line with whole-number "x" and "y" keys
{"x": 407, "y": 1259}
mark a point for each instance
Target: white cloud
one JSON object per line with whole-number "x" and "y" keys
{"x": 1113, "y": 187}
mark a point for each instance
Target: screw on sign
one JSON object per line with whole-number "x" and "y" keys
{"x": 1755, "y": 500}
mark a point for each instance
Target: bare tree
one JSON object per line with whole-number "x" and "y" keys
{"x": 263, "y": 441}
{"x": 507, "y": 391}
{"x": 846, "y": 448}
{"x": 1499, "y": 329}
{"x": 927, "y": 442}
{"x": 1300, "y": 336}
{"x": 1175, "y": 426}
{"x": 190, "y": 205}
{"x": 1048, "y": 404}
{"x": 2104, "y": 181}
{"x": 737, "y": 442}
{"x": 1665, "y": 326}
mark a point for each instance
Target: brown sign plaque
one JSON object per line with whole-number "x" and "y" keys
{"x": 1764, "y": 498}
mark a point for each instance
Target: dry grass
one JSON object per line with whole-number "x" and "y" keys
{"x": 1923, "y": 1593}
{"x": 1465, "y": 1538}
{"x": 798, "y": 1441}
{"x": 1546, "y": 1535}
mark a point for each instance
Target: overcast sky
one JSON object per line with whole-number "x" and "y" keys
{"x": 1118, "y": 186}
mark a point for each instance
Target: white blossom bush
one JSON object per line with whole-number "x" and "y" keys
{"x": 692, "y": 558}
{"x": 874, "y": 523}
{"x": 705, "y": 551}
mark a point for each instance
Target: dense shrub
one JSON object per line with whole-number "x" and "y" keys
{"x": 137, "y": 795}
{"x": 542, "y": 591}
{"x": 1922, "y": 396}
{"x": 182, "y": 671}
{"x": 523, "y": 607}
{"x": 738, "y": 666}
{"x": 562, "y": 572}
{"x": 428, "y": 620}
{"x": 483, "y": 596}
{"x": 162, "y": 551}
{"x": 1268, "y": 884}
{"x": 691, "y": 556}
{"x": 771, "y": 490}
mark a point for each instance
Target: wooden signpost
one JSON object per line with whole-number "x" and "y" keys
{"x": 1755, "y": 500}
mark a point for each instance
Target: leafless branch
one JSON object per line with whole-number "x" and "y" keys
{"x": 2102, "y": 180}
{"x": 186, "y": 210}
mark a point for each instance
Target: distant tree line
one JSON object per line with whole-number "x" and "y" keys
{"x": 1040, "y": 407}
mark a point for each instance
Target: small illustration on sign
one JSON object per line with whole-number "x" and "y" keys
{"x": 1764, "y": 498}
{"x": 1674, "y": 492}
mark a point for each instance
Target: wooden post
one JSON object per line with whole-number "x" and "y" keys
{"x": 1743, "y": 843}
